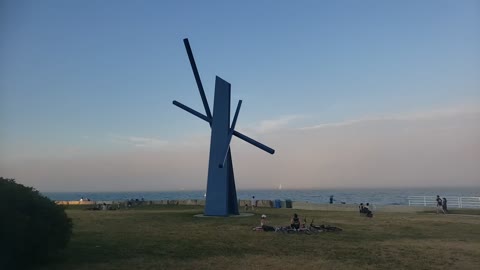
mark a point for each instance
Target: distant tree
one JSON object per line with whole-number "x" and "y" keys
{"x": 32, "y": 227}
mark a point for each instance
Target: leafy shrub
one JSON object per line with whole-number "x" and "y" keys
{"x": 32, "y": 227}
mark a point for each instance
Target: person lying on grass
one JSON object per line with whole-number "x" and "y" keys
{"x": 263, "y": 225}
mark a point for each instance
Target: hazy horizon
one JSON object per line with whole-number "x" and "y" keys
{"x": 433, "y": 188}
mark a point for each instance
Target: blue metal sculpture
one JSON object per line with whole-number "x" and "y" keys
{"x": 221, "y": 192}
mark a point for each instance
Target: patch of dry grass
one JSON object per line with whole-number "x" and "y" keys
{"x": 171, "y": 238}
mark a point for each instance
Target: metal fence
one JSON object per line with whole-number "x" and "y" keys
{"x": 452, "y": 202}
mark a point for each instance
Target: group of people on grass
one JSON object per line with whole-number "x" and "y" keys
{"x": 295, "y": 223}
{"x": 441, "y": 204}
{"x": 134, "y": 202}
{"x": 365, "y": 209}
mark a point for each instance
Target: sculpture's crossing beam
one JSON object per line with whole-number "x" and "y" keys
{"x": 234, "y": 132}
{"x": 192, "y": 111}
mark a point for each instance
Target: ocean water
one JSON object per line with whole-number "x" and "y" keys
{"x": 349, "y": 196}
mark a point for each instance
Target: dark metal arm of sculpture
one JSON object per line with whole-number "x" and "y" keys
{"x": 253, "y": 142}
{"x": 192, "y": 111}
{"x": 197, "y": 78}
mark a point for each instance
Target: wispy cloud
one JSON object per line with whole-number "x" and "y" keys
{"x": 270, "y": 125}
{"x": 140, "y": 141}
{"x": 421, "y": 115}
{"x": 147, "y": 142}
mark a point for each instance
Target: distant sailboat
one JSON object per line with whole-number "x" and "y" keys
{"x": 280, "y": 187}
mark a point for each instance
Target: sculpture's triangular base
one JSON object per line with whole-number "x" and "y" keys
{"x": 221, "y": 191}
{"x": 232, "y": 190}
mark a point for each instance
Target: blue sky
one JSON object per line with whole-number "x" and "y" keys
{"x": 91, "y": 74}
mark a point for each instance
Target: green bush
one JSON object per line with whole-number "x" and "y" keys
{"x": 32, "y": 227}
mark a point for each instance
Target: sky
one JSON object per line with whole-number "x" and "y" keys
{"x": 349, "y": 93}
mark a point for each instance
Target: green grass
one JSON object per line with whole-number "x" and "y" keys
{"x": 465, "y": 211}
{"x": 169, "y": 237}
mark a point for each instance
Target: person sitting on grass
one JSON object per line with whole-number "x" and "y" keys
{"x": 367, "y": 211}
{"x": 295, "y": 222}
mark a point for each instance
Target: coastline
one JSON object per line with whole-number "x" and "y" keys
{"x": 378, "y": 197}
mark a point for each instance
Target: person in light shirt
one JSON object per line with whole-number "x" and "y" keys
{"x": 253, "y": 203}
{"x": 264, "y": 225}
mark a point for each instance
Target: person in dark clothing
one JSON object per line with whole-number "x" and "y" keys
{"x": 444, "y": 205}
{"x": 331, "y": 199}
{"x": 440, "y": 204}
{"x": 367, "y": 211}
{"x": 295, "y": 222}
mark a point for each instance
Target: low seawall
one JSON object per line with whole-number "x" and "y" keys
{"x": 241, "y": 203}
{"x": 354, "y": 207}
{"x": 261, "y": 204}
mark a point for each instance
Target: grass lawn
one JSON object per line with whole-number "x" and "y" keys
{"x": 169, "y": 237}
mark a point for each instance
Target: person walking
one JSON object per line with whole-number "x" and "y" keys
{"x": 439, "y": 204}
{"x": 444, "y": 205}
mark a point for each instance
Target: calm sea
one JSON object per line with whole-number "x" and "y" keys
{"x": 349, "y": 196}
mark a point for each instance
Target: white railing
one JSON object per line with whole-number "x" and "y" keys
{"x": 452, "y": 202}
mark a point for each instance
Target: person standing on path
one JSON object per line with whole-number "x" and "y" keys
{"x": 444, "y": 205}
{"x": 439, "y": 204}
{"x": 253, "y": 203}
